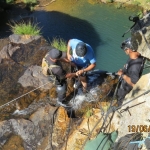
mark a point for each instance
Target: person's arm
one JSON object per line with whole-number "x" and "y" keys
{"x": 128, "y": 80}
{"x": 68, "y": 51}
{"x": 90, "y": 67}
{"x": 125, "y": 77}
{"x": 70, "y": 75}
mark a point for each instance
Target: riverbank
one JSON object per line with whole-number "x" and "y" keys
{"x": 145, "y": 4}
{"x": 141, "y": 3}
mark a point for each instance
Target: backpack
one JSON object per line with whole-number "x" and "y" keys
{"x": 103, "y": 141}
{"x": 46, "y": 67}
{"x": 124, "y": 142}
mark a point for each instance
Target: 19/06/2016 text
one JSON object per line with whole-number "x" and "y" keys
{"x": 139, "y": 128}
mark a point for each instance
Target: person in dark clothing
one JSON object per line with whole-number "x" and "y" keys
{"x": 53, "y": 58}
{"x": 131, "y": 72}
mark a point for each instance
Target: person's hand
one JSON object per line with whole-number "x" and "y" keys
{"x": 78, "y": 73}
{"x": 120, "y": 72}
{"x": 69, "y": 57}
{"x": 70, "y": 75}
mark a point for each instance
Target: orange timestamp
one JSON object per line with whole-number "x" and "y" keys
{"x": 139, "y": 128}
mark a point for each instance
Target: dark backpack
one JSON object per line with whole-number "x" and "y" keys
{"x": 124, "y": 142}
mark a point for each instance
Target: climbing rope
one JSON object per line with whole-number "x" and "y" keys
{"x": 140, "y": 143}
{"x": 133, "y": 99}
{"x": 6, "y": 104}
{"x": 104, "y": 117}
{"x": 111, "y": 110}
{"x": 53, "y": 120}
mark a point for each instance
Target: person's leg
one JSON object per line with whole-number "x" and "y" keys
{"x": 121, "y": 93}
{"x": 84, "y": 83}
{"x": 61, "y": 92}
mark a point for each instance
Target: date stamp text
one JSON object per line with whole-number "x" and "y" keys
{"x": 139, "y": 128}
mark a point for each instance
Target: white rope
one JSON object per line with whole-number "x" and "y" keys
{"x": 22, "y": 95}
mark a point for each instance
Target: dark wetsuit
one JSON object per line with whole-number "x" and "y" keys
{"x": 133, "y": 69}
{"x": 60, "y": 77}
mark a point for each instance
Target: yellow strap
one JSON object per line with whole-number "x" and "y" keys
{"x": 53, "y": 66}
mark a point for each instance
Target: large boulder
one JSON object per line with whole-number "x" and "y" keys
{"x": 33, "y": 125}
{"x": 18, "y": 59}
{"x": 140, "y": 35}
{"x": 134, "y": 115}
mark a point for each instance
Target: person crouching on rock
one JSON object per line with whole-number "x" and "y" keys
{"x": 51, "y": 65}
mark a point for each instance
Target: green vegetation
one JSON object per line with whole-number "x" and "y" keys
{"x": 140, "y": 14}
{"x": 25, "y": 28}
{"x": 119, "y": 5}
{"x": 30, "y": 3}
{"x": 89, "y": 113}
{"x": 59, "y": 44}
{"x": 110, "y": 1}
{"x": 9, "y": 1}
{"x": 136, "y": 3}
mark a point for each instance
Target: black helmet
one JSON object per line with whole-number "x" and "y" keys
{"x": 55, "y": 53}
{"x": 81, "y": 49}
{"x": 127, "y": 44}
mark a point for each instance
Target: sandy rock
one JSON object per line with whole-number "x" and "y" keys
{"x": 88, "y": 129}
{"x": 32, "y": 131}
{"x": 60, "y": 128}
{"x": 22, "y": 39}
